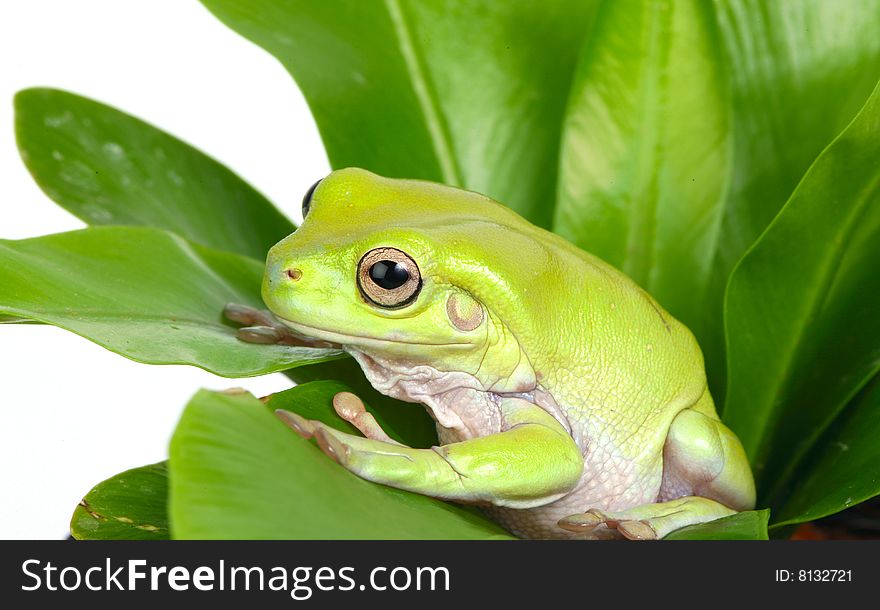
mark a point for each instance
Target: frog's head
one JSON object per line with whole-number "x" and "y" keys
{"x": 411, "y": 272}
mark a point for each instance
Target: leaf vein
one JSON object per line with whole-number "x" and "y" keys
{"x": 434, "y": 121}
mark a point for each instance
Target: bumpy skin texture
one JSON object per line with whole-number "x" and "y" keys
{"x": 568, "y": 402}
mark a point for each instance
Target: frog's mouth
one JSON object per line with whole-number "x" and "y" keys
{"x": 310, "y": 333}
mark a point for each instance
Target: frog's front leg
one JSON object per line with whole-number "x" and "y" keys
{"x": 531, "y": 462}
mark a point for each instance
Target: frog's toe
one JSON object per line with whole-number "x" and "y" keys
{"x": 247, "y": 315}
{"x": 626, "y": 526}
{"x": 351, "y": 408}
{"x": 297, "y": 423}
{"x": 263, "y": 335}
{"x": 307, "y": 428}
{"x": 584, "y": 522}
{"x": 636, "y": 530}
{"x": 331, "y": 446}
{"x": 260, "y": 326}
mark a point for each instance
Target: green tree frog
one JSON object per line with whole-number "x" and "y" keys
{"x": 568, "y": 403}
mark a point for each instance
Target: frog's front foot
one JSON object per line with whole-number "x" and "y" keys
{"x": 368, "y": 456}
{"x": 260, "y": 326}
{"x": 350, "y": 408}
{"x": 649, "y": 521}
{"x": 308, "y": 428}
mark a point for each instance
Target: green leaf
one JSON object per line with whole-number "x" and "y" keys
{"x": 145, "y": 294}
{"x": 237, "y": 472}
{"x": 405, "y": 421}
{"x": 801, "y": 309}
{"x": 128, "y": 506}
{"x": 843, "y": 469}
{"x": 799, "y": 73}
{"x": 749, "y": 525}
{"x": 107, "y": 167}
{"x": 394, "y": 89}
{"x": 645, "y": 152}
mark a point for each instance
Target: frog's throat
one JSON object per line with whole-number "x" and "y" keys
{"x": 457, "y": 400}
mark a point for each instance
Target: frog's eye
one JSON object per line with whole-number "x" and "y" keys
{"x": 307, "y": 198}
{"x": 389, "y": 277}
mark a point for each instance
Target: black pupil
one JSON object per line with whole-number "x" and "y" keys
{"x": 307, "y": 198}
{"x": 389, "y": 275}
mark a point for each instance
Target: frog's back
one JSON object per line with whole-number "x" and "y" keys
{"x": 599, "y": 343}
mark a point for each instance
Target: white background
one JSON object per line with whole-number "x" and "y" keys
{"x": 72, "y": 413}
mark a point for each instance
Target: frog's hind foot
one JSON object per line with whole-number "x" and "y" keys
{"x": 589, "y": 521}
{"x": 261, "y": 327}
{"x": 649, "y": 521}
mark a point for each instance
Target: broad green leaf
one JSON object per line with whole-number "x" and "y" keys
{"x": 843, "y": 469}
{"x": 129, "y": 506}
{"x": 146, "y": 294}
{"x": 645, "y": 152}
{"x": 749, "y": 525}
{"x": 405, "y": 421}
{"x": 107, "y": 167}
{"x": 237, "y": 472}
{"x": 799, "y": 72}
{"x": 801, "y": 309}
{"x": 467, "y": 93}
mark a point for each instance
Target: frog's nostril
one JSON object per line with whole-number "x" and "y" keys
{"x": 294, "y": 274}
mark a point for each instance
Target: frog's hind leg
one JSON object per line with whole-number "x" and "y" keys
{"x": 649, "y": 521}
{"x": 702, "y": 457}
{"x": 705, "y": 477}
